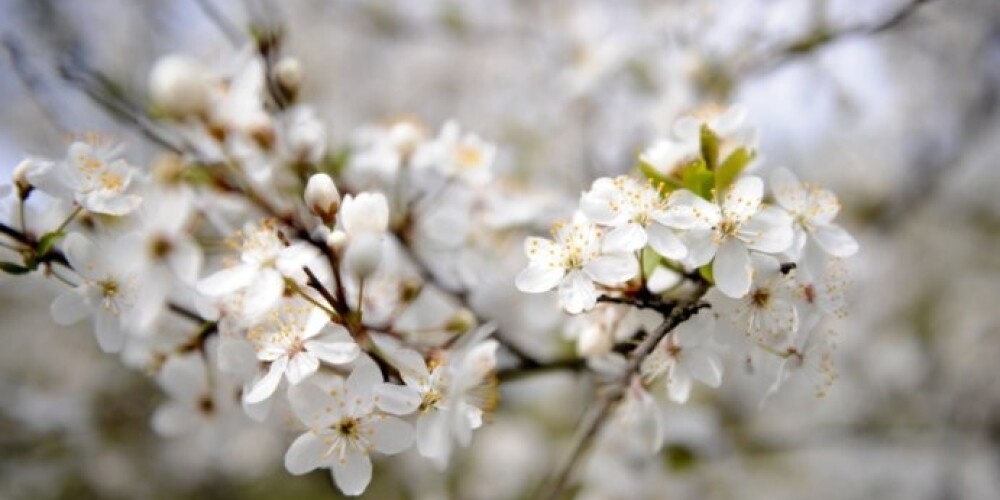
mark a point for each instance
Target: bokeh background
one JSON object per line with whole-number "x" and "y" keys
{"x": 891, "y": 103}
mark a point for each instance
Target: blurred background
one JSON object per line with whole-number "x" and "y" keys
{"x": 893, "y": 104}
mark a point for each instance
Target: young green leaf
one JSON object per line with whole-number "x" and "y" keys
{"x": 709, "y": 147}
{"x": 730, "y": 169}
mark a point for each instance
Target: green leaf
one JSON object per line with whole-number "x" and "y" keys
{"x": 12, "y": 268}
{"x": 650, "y": 261}
{"x": 706, "y": 272}
{"x": 650, "y": 172}
{"x": 709, "y": 147}
{"x": 698, "y": 179}
{"x": 48, "y": 241}
{"x": 731, "y": 168}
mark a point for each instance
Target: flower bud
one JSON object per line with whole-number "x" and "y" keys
{"x": 363, "y": 255}
{"x": 461, "y": 321}
{"x": 322, "y": 197}
{"x": 336, "y": 240}
{"x": 288, "y": 76}
{"x": 21, "y": 182}
{"x": 180, "y": 86}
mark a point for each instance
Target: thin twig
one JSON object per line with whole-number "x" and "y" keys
{"x": 599, "y": 413}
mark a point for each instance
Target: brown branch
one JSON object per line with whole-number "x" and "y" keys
{"x": 599, "y": 414}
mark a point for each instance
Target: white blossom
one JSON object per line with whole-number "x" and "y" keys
{"x": 345, "y": 427}
{"x": 292, "y": 341}
{"x": 574, "y": 261}
{"x": 454, "y": 154}
{"x": 92, "y": 175}
{"x": 688, "y": 353}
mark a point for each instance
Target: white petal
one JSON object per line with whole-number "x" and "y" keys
{"x": 687, "y": 210}
{"x": 333, "y": 352}
{"x": 315, "y": 322}
{"x": 292, "y": 258}
{"x": 185, "y": 260}
{"x": 679, "y": 386}
{"x": 433, "y": 440}
{"x": 706, "y": 368}
{"x": 353, "y": 473}
{"x": 788, "y": 191}
{"x": 835, "y": 240}
{"x": 79, "y": 251}
{"x": 397, "y": 399}
{"x": 227, "y": 280}
{"x": 770, "y": 230}
{"x": 663, "y": 279}
{"x": 743, "y": 198}
{"x": 69, "y": 307}
{"x": 577, "y": 292}
{"x": 264, "y": 293}
{"x": 266, "y": 385}
{"x": 301, "y": 367}
{"x": 665, "y": 242}
{"x": 538, "y": 278}
{"x": 305, "y": 454}
{"x": 732, "y": 269}
{"x": 701, "y": 247}
{"x": 313, "y": 406}
{"x": 612, "y": 269}
{"x": 108, "y": 330}
{"x": 823, "y": 206}
{"x": 363, "y": 380}
{"x": 392, "y": 435}
{"x": 627, "y": 238}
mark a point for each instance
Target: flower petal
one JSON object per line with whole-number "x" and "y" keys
{"x": 331, "y": 351}
{"x": 666, "y": 242}
{"x": 264, "y": 387}
{"x": 770, "y": 230}
{"x": 612, "y": 269}
{"x": 788, "y": 191}
{"x": 742, "y": 199}
{"x": 835, "y": 240}
{"x": 69, "y": 307}
{"x": 227, "y": 280}
{"x": 314, "y": 406}
{"x": 538, "y": 278}
{"x": 352, "y": 473}
{"x": 264, "y": 293}
{"x": 627, "y": 238}
{"x": 392, "y": 435}
{"x": 577, "y": 292}
{"x": 300, "y": 367}
{"x": 397, "y": 399}
{"x": 306, "y": 454}
{"x": 732, "y": 269}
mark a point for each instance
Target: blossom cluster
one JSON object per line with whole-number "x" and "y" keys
{"x": 767, "y": 257}
{"x": 261, "y": 274}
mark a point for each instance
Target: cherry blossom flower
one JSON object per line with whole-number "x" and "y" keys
{"x": 265, "y": 262}
{"x": 105, "y": 293}
{"x": 767, "y": 313}
{"x": 454, "y": 154}
{"x": 812, "y": 209}
{"x": 688, "y": 353}
{"x": 345, "y": 427}
{"x": 638, "y": 214}
{"x": 574, "y": 261}
{"x": 450, "y": 396}
{"x": 93, "y": 176}
{"x": 731, "y": 230}
{"x": 292, "y": 341}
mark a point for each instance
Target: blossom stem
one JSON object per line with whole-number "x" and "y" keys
{"x": 69, "y": 218}
{"x": 314, "y": 283}
{"x": 599, "y": 413}
{"x": 311, "y": 300}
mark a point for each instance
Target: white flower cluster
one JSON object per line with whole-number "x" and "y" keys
{"x": 261, "y": 275}
{"x": 700, "y": 216}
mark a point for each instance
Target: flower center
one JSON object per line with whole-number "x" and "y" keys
{"x": 348, "y": 427}
{"x": 430, "y": 400}
{"x": 468, "y": 156}
{"x": 760, "y": 298}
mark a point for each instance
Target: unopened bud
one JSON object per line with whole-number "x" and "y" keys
{"x": 261, "y": 130}
{"x": 336, "y": 240}
{"x": 180, "y": 86}
{"x": 461, "y": 321}
{"x": 288, "y": 76}
{"x": 322, "y": 197}
{"x": 363, "y": 255}
{"x": 24, "y": 187}
{"x": 409, "y": 290}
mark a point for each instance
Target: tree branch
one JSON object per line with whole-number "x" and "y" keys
{"x": 598, "y": 414}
